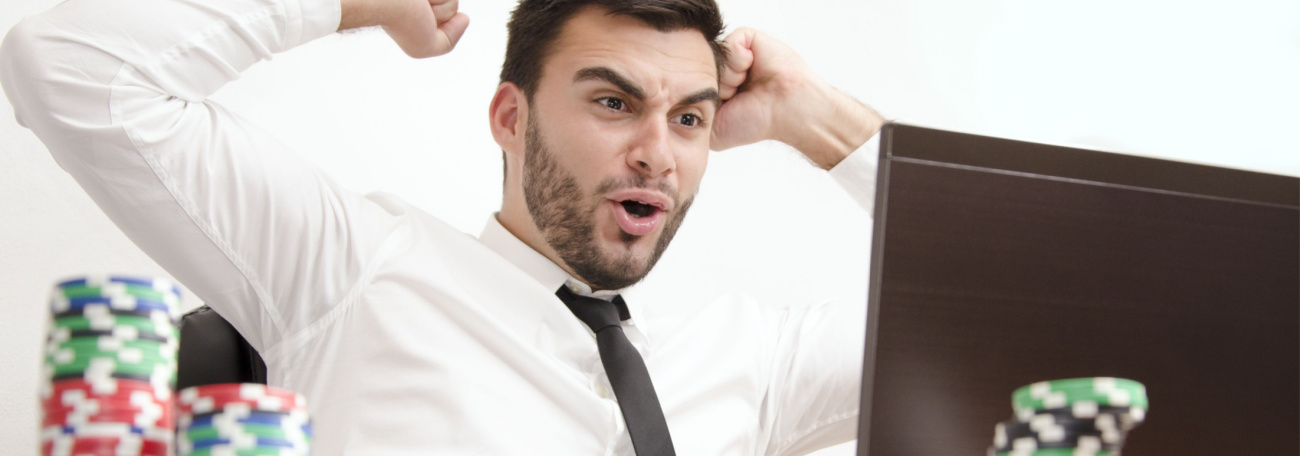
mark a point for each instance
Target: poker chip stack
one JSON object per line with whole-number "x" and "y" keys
{"x": 109, "y": 369}
{"x": 1073, "y": 417}
{"x": 242, "y": 419}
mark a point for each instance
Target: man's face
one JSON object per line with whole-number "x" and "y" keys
{"x": 617, "y": 141}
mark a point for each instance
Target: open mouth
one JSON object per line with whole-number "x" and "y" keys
{"x": 638, "y": 216}
{"x": 638, "y": 209}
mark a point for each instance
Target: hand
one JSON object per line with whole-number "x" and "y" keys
{"x": 422, "y": 28}
{"x": 770, "y": 93}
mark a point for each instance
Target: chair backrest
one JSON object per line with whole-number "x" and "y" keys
{"x": 212, "y": 351}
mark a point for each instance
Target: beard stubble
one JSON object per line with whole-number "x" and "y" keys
{"x": 567, "y": 218}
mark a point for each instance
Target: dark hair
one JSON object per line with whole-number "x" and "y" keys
{"x": 535, "y": 24}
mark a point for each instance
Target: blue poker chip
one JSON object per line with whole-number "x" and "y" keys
{"x": 254, "y": 417}
{"x": 262, "y": 442}
{"x": 113, "y": 303}
{"x": 106, "y": 430}
{"x": 157, "y": 284}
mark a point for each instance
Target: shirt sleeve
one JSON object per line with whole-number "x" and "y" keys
{"x": 117, "y": 91}
{"x": 814, "y": 397}
{"x": 856, "y": 174}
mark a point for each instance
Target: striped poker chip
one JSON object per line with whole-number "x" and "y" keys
{"x": 1056, "y": 452}
{"x": 108, "y": 368}
{"x": 106, "y": 430}
{"x": 250, "y": 417}
{"x": 1043, "y": 434}
{"x": 101, "y": 318}
{"x": 288, "y": 426}
{"x": 242, "y": 419}
{"x": 81, "y": 355}
{"x": 80, "y": 398}
{"x": 115, "y": 290}
{"x": 1104, "y": 391}
{"x": 186, "y": 446}
{"x": 122, "y": 333}
{"x": 141, "y": 419}
{"x": 211, "y": 398}
{"x": 218, "y": 451}
{"x": 60, "y": 304}
{"x": 296, "y": 435}
{"x": 145, "y": 367}
{"x": 157, "y": 284}
{"x": 110, "y": 344}
{"x": 146, "y": 312}
{"x": 160, "y": 379}
{"x": 1129, "y": 417}
{"x": 141, "y": 410}
{"x": 132, "y": 445}
{"x": 111, "y": 388}
{"x": 110, "y": 363}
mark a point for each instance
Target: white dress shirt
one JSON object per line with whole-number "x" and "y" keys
{"x": 407, "y": 336}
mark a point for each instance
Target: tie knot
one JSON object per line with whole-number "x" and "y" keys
{"x": 597, "y": 313}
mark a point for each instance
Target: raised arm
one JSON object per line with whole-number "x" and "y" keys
{"x": 117, "y": 90}
{"x": 771, "y": 94}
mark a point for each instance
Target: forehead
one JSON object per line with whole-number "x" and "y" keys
{"x": 594, "y": 38}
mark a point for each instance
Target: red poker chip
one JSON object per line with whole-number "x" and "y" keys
{"x": 102, "y": 388}
{"x": 105, "y": 446}
{"x": 73, "y": 399}
{"x": 237, "y": 390}
{"x": 133, "y": 417}
{"x": 212, "y": 398}
{"x": 218, "y": 403}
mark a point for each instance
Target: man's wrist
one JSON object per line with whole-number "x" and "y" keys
{"x": 840, "y": 126}
{"x": 358, "y": 14}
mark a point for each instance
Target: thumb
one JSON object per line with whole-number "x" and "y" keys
{"x": 452, "y": 29}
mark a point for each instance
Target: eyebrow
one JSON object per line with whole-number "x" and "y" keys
{"x": 623, "y": 84}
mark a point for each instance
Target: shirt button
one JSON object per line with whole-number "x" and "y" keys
{"x": 602, "y": 391}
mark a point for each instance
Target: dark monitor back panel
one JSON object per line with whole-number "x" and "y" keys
{"x": 999, "y": 263}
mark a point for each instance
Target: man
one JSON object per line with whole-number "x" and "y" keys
{"x": 407, "y": 336}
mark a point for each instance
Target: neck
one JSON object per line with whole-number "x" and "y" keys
{"x": 519, "y": 223}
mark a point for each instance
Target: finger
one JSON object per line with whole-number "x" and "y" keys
{"x": 740, "y": 58}
{"x": 452, "y": 30}
{"x": 444, "y": 10}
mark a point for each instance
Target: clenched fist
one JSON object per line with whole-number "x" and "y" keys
{"x": 770, "y": 93}
{"x": 422, "y": 28}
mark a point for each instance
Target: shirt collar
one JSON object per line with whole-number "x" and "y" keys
{"x": 500, "y": 240}
{"x": 504, "y": 243}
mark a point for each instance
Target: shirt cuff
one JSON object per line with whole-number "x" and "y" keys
{"x": 856, "y": 174}
{"x": 319, "y": 18}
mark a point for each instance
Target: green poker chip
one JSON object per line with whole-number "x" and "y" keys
{"x": 145, "y": 368}
{"x": 138, "y": 291}
{"x": 1056, "y": 452}
{"x": 82, "y": 356}
{"x": 283, "y": 432}
{"x": 143, "y": 324}
{"x": 112, "y": 344}
{"x": 260, "y": 451}
{"x": 1101, "y": 391}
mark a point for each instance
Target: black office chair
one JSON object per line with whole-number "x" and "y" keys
{"x": 212, "y": 351}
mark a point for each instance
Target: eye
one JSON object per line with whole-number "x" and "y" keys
{"x": 611, "y": 103}
{"x": 689, "y": 120}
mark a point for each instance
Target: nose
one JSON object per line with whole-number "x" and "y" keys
{"x": 651, "y": 153}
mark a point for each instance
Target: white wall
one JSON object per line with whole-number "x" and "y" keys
{"x": 1195, "y": 81}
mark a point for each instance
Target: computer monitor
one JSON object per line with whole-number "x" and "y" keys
{"x": 999, "y": 263}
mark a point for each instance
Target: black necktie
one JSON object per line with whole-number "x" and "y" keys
{"x": 626, "y": 372}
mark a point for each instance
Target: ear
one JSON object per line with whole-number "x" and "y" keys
{"x": 506, "y": 115}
